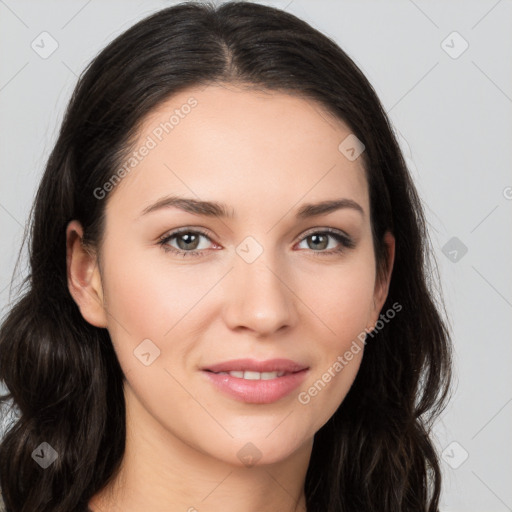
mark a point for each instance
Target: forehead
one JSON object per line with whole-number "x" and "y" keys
{"x": 247, "y": 145}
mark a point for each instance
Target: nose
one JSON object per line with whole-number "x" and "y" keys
{"x": 259, "y": 297}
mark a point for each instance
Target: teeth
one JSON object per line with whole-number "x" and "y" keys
{"x": 270, "y": 375}
{"x": 253, "y": 375}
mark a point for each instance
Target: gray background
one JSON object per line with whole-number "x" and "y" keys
{"x": 452, "y": 110}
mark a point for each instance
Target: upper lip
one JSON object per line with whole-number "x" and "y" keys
{"x": 252, "y": 365}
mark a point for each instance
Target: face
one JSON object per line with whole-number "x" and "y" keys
{"x": 184, "y": 291}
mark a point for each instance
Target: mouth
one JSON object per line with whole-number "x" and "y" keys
{"x": 256, "y": 382}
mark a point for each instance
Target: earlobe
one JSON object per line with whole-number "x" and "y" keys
{"x": 84, "y": 279}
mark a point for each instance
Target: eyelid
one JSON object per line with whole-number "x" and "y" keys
{"x": 186, "y": 229}
{"x": 325, "y": 229}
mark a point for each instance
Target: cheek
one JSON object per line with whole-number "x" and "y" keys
{"x": 147, "y": 295}
{"x": 343, "y": 305}
{"x": 342, "y": 299}
{"x": 146, "y": 301}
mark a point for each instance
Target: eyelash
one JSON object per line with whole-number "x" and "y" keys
{"x": 345, "y": 242}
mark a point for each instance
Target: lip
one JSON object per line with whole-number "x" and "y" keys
{"x": 257, "y": 391}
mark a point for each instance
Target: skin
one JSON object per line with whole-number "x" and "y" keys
{"x": 264, "y": 154}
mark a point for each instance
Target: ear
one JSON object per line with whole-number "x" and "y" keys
{"x": 382, "y": 284}
{"x": 84, "y": 280}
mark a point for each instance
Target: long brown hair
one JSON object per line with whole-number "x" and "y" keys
{"x": 376, "y": 452}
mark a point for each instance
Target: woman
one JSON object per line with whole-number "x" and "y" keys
{"x": 228, "y": 305}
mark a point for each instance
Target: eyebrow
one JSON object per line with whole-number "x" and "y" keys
{"x": 220, "y": 210}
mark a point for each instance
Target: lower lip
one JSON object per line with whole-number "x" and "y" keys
{"x": 257, "y": 391}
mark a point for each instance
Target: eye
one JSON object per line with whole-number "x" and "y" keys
{"x": 188, "y": 242}
{"x": 320, "y": 241}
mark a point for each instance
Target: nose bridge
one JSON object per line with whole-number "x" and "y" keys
{"x": 258, "y": 297}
